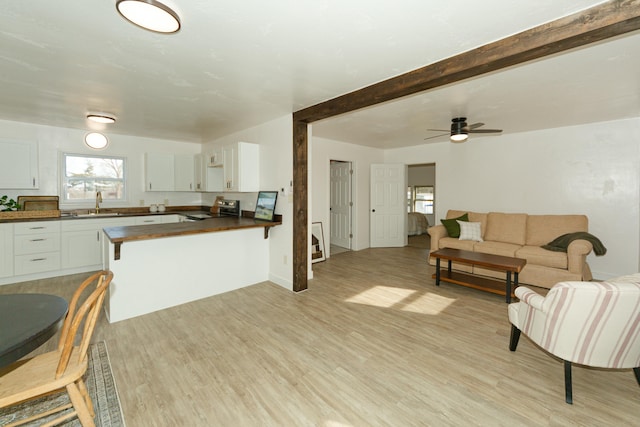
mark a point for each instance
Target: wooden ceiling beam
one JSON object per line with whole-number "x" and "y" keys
{"x": 598, "y": 23}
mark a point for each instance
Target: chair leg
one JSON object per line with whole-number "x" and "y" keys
{"x": 515, "y": 337}
{"x": 85, "y": 394}
{"x": 637, "y": 372}
{"x": 80, "y": 406}
{"x": 568, "y": 391}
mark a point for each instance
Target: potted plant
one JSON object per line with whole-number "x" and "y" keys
{"x": 7, "y": 204}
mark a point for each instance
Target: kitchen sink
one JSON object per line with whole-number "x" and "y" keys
{"x": 101, "y": 215}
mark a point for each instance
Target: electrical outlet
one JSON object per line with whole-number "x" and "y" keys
{"x": 166, "y": 202}
{"x": 141, "y": 202}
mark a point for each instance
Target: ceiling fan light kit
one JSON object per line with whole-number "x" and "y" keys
{"x": 150, "y": 15}
{"x": 460, "y": 130}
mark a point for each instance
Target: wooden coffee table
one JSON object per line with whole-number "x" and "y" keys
{"x": 493, "y": 262}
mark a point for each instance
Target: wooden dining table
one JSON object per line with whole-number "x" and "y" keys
{"x": 26, "y": 322}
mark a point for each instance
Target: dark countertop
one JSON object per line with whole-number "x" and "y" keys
{"x": 111, "y": 213}
{"x": 211, "y": 225}
{"x": 119, "y": 235}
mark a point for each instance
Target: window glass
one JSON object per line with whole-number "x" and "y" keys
{"x": 422, "y": 197}
{"x": 85, "y": 175}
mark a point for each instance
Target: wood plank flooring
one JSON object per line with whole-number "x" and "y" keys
{"x": 372, "y": 342}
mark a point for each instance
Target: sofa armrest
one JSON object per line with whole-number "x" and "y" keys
{"x": 577, "y": 255}
{"x": 529, "y": 297}
{"x": 436, "y": 233}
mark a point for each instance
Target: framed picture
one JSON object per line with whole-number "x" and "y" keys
{"x": 317, "y": 243}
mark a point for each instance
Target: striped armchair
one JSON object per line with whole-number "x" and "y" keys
{"x": 588, "y": 323}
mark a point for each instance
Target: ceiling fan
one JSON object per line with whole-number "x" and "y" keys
{"x": 460, "y": 130}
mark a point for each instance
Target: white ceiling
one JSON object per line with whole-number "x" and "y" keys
{"x": 238, "y": 64}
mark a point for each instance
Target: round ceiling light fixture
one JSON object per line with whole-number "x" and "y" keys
{"x": 101, "y": 118}
{"x": 150, "y": 15}
{"x": 96, "y": 140}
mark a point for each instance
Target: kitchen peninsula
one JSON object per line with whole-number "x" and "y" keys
{"x": 163, "y": 265}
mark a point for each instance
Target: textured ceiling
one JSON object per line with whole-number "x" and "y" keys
{"x": 238, "y": 64}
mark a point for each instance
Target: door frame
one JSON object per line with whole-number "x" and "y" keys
{"x": 353, "y": 203}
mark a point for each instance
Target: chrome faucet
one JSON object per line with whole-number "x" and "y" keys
{"x": 98, "y": 201}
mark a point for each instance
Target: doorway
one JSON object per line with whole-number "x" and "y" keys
{"x": 340, "y": 206}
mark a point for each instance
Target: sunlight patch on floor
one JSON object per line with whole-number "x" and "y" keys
{"x": 429, "y": 304}
{"x": 381, "y": 296}
{"x": 403, "y": 299}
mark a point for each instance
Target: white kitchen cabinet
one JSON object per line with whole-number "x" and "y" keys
{"x": 36, "y": 247}
{"x": 169, "y": 172}
{"x": 241, "y": 167}
{"x": 184, "y": 172}
{"x": 209, "y": 176}
{"x": 20, "y": 164}
{"x": 168, "y": 219}
{"x": 81, "y": 241}
{"x": 159, "y": 172}
{"x": 6, "y": 250}
{"x": 146, "y": 220}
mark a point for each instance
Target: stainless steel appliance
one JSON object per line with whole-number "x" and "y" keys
{"x": 226, "y": 208}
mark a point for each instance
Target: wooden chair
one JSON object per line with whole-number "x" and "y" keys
{"x": 64, "y": 368}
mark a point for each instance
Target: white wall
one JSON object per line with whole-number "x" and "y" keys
{"x": 592, "y": 169}
{"x": 276, "y": 172}
{"x": 55, "y": 140}
{"x": 322, "y": 151}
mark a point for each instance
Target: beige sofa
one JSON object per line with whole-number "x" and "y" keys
{"x": 521, "y": 235}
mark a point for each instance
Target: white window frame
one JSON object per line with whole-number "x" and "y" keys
{"x": 411, "y": 196}
{"x": 89, "y": 201}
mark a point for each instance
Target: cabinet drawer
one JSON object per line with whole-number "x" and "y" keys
{"x": 149, "y": 220}
{"x": 37, "y": 227}
{"x": 36, "y": 263}
{"x": 36, "y": 243}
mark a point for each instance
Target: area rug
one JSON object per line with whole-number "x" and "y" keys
{"x": 101, "y": 387}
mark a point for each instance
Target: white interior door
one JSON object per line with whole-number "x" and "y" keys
{"x": 388, "y": 205}
{"x": 340, "y": 203}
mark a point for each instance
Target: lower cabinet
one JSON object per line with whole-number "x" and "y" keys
{"x": 6, "y": 250}
{"x": 36, "y": 247}
{"x": 81, "y": 243}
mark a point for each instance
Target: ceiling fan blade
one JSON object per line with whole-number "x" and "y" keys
{"x": 438, "y": 130}
{"x": 438, "y": 136}
{"x": 485, "y": 131}
{"x": 473, "y": 126}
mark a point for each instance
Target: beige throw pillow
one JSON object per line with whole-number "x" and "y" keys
{"x": 470, "y": 231}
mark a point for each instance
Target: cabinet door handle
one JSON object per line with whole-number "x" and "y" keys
{"x": 38, "y": 259}
{"x": 36, "y": 228}
{"x": 148, "y": 220}
{"x": 37, "y": 240}
{"x": 98, "y": 236}
{"x": 34, "y": 182}
{"x": 150, "y": 186}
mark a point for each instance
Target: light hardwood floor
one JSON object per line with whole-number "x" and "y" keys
{"x": 372, "y": 342}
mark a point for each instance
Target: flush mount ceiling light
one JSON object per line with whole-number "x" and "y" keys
{"x": 96, "y": 140}
{"x": 150, "y": 15}
{"x": 101, "y": 118}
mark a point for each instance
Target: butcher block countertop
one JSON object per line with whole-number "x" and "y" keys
{"x": 119, "y": 235}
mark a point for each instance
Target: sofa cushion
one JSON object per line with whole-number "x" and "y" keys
{"x": 537, "y": 255}
{"x": 542, "y": 229}
{"x": 506, "y": 228}
{"x": 453, "y": 243}
{"x": 452, "y": 226}
{"x": 496, "y": 248}
{"x": 473, "y": 217}
{"x": 470, "y": 231}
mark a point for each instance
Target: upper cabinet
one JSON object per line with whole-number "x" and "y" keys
{"x": 184, "y": 172}
{"x": 20, "y": 164}
{"x": 169, "y": 172}
{"x": 241, "y": 167}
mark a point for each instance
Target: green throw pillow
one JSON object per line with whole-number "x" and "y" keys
{"x": 453, "y": 228}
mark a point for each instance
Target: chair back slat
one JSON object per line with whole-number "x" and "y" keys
{"x": 86, "y": 316}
